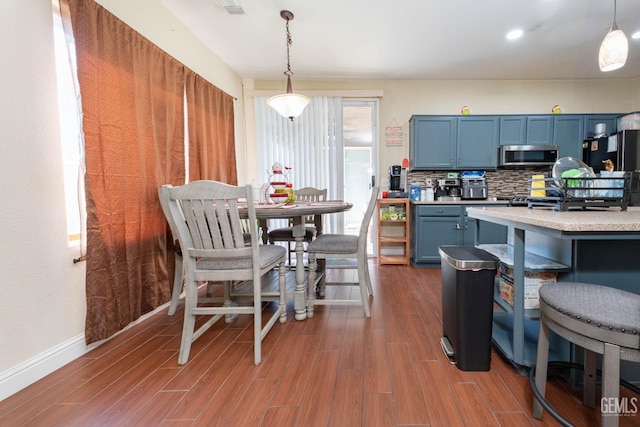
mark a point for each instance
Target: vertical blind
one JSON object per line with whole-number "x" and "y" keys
{"x": 311, "y": 145}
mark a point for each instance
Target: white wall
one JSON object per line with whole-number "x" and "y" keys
{"x": 42, "y": 303}
{"x": 42, "y": 293}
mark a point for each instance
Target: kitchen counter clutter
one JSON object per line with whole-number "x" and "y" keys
{"x": 442, "y": 201}
{"x": 597, "y": 246}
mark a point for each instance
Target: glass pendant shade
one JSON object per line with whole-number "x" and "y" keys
{"x": 289, "y": 105}
{"x": 613, "y": 50}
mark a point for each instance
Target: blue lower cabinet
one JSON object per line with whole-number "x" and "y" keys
{"x": 433, "y": 232}
{"x": 433, "y": 226}
{"x": 488, "y": 232}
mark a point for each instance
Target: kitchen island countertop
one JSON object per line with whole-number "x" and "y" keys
{"x": 601, "y": 220}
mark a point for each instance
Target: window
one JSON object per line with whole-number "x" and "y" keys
{"x": 70, "y": 129}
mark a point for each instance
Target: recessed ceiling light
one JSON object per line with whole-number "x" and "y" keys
{"x": 514, "y": 34}
{"x": 636, "y": 35}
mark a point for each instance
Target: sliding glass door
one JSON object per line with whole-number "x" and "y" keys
{"x": 360, "y": 149}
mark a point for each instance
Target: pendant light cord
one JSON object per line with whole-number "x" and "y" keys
{"x": 613, "y": 27}
{"x": 289, "y": 42}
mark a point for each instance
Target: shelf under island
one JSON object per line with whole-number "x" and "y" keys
{"x": 598, "y": 246}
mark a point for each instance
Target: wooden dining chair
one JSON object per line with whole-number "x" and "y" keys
{"x": 329, "y": 246}
{"x": 208, "y": 219}
{"x": 285, "y": 234}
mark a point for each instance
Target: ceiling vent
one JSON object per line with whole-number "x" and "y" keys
{"x": 232, "y": 7}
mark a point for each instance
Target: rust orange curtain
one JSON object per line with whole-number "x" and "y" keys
{"x": 211, "y": 134}
{"x": 133, "y": 106}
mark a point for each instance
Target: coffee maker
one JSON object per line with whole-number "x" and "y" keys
{"x": 448, "y": 188}
{"x": 398, "y": 181}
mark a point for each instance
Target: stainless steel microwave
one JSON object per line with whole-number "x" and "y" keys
{"x": 528, "y": 155}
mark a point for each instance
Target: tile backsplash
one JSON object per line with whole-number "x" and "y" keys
{"x": 501, "y": 182}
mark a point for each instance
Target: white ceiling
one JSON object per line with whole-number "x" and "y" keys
{"x": 413, "y": 39}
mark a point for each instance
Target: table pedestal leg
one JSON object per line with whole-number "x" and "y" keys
{"x": 300, "y": 294}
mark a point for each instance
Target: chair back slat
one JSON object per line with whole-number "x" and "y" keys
{"x": 311, "y": 194}
{"x": 236, "y": 225}
{"x": 208, "y": 217}
{"x": 215, "y": 214}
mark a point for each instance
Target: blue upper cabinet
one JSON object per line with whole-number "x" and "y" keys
{"x": 445, "y": 142}
{"x": 432, "y": 141}
{"x": 539, "y": 130}
{"x": 610, "y": 120}
{"x": 513, "y": 130}
{"x": 477, "y": 143}
{"x": 471, "y": 142}
{"x": 568, "y": 133}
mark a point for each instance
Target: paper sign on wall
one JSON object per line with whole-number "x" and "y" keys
{"x": 393, "y": 135}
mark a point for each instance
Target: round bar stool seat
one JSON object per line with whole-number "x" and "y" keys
{"x": 600, "y": 319}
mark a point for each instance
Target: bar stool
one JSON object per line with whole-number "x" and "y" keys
{"x": 600, "y": 319}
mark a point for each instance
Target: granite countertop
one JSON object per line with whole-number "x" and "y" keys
{"x": 605, "y": 220}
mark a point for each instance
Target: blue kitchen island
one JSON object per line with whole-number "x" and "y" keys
{"x": 597, "y": 246}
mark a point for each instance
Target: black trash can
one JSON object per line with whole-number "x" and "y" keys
{"x": 468, "y": 275}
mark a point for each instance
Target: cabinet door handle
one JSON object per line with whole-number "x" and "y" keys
{"x": 457, "y": 226}
{"x": 439, "y": 211}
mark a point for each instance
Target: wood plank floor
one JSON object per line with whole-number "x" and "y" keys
{"x": 335, "y": 369}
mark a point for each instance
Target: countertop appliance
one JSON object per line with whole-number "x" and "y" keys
{"x": 474, "y": 185}
{"x": 623, "y": 149}
{"x": 398, "y": 182}
{"x": 448, "y": 188}
{"x": 528, "y": 155}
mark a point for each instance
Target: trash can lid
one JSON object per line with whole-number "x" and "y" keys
{"x": 468, "y": 258}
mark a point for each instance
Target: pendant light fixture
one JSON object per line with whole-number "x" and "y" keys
{"x": 288, "y": 104}
{"x": 614, "y": 48}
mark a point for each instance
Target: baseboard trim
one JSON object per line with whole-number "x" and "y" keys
{"x": 28, "y": 372}
{"x": 31, "y": 370}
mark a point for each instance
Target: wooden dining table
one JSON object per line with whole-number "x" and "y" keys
{"x": 297, "y": 212}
